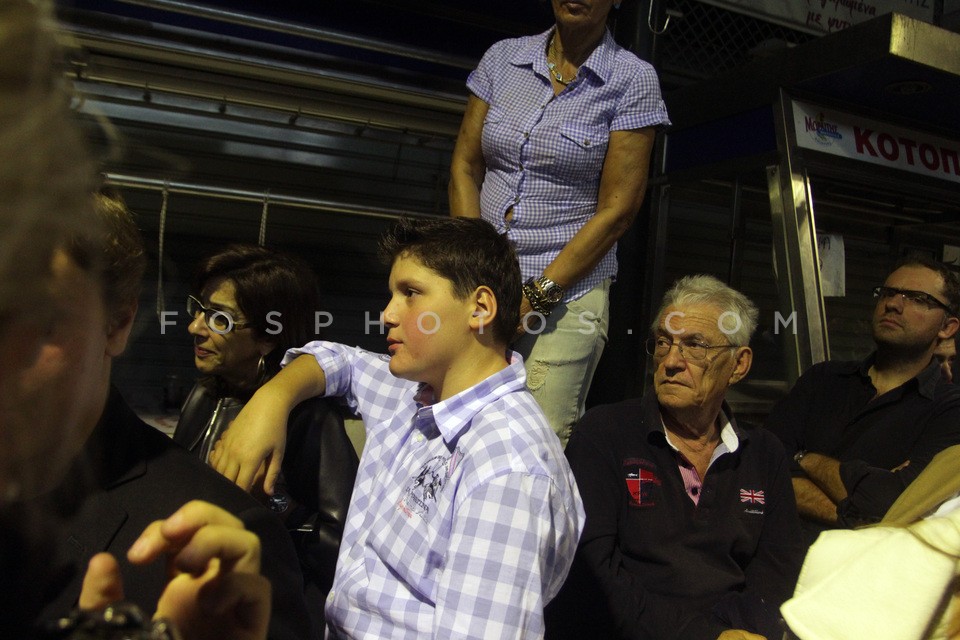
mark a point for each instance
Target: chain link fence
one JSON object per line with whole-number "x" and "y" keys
{"x": 702, "y": 41}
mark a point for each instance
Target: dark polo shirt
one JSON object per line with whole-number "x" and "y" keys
{"x": 651, "y": 563}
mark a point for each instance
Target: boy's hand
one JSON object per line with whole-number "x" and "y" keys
{"x": 215, "y": 588}
{"x": 254, "y": 443}
{"x": 253, "y": 446}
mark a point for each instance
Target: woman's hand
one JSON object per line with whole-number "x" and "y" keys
{"x": 215, "y": 588}
{"x": 525, "y": 308}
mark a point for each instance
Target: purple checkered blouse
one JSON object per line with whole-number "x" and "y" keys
{"x": 544, "y": 153}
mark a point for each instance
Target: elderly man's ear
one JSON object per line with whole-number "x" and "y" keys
{"x": 743, "y": 358}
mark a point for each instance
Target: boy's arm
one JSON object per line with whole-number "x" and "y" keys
{"x": 258, "y": 436}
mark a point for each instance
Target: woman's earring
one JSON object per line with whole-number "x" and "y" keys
{"x": 261, "y": 371}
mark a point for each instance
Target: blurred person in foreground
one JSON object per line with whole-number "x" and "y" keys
{"x": 692, "y": 531}
{"x": 128, "y": 474}
{"x": 46, "y": 206}
{"x": 898, "y": 580}
{"x": 250, "y": 304}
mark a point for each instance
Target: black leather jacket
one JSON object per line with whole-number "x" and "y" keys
{"x": 319, "y": 469}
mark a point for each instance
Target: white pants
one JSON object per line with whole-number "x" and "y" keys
{"x": 561, "y": 359}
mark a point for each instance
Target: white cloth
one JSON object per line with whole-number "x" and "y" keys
{"x": 879, "y": 583}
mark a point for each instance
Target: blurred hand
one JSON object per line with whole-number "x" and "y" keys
{"x": 252, "y": 447}
{"x": 215, "y": 588}
{"x": 102, "y": 584}
{"x": 739, "y": 634}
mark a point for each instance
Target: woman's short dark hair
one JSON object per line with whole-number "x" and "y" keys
{"x": 469, "y": 253}
{"x": 276, "y": 292}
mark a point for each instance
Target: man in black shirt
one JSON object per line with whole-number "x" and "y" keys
{"x": 860, "y": 432}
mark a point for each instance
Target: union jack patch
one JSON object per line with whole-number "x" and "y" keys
{"x": 753, "y": 496}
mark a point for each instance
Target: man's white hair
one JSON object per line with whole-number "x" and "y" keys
{"x": 738, "y": 315}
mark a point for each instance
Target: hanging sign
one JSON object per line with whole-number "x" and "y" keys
{"x": 826, "y": 16}
{"x": 833, "y": 274}
{"x": 850, "y": 136}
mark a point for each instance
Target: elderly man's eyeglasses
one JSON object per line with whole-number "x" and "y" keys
{"x": 918, "y": 298}
{"x": 692, "y": 350}
{"x": 218, "y": 320}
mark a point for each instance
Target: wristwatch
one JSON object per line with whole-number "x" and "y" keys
{"x": 552, "y": 292}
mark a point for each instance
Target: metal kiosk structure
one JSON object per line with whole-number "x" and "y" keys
{"x": 800, "y": 177}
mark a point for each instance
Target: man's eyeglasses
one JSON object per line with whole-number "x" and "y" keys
{"x": 918, "y": 298}
{"x": 218, "y": 320}
{"x": 692, "y": 350}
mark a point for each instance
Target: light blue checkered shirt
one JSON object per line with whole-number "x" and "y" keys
{"x": 465, "y": 516}
{"x": 544, "y": 154}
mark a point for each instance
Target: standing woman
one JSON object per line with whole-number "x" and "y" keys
{"x": 554, "y": 151}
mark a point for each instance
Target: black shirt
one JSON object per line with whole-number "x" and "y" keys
{"x": 834, "y": 410}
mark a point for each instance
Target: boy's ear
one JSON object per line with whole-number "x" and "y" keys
{"x": 484, "y": 309}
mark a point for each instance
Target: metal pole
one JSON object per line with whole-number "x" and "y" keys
{"x": 243, "y": 195}
{"x": 323, "y": 35}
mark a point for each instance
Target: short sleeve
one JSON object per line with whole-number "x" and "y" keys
{"x": 480, "y": 80}
{"x": 642, "y": 102}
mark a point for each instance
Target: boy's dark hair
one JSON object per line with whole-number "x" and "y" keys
{"x": 951, "y": 282}
{"x": 469, "y": 253}
{"x": 267, "y": 281}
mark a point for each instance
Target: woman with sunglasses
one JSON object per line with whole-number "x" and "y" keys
{"x": 250, "y": 304}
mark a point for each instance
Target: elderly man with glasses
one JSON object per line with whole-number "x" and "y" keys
{"x": 692, "y": 529}
{"x": 860, "y": 432}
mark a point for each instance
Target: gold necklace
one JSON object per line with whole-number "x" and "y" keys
{"x": 558, "y": 76}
